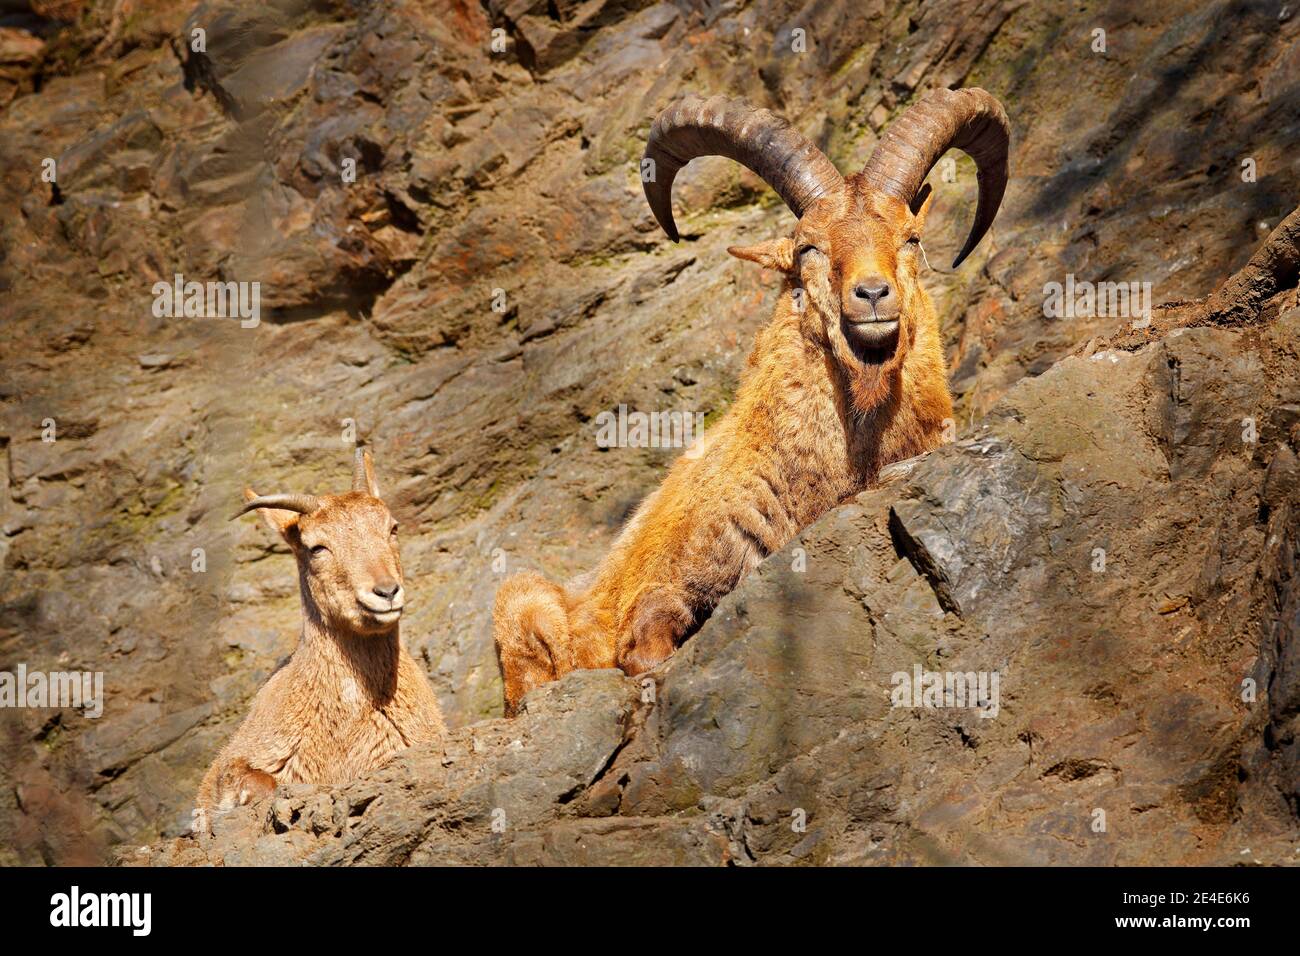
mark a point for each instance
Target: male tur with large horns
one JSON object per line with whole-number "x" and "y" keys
{"x": 351, "y": 695}
{"x": 848, "y": 377}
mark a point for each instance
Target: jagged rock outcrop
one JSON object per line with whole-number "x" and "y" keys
{"x": 1107, "y": 542}
{"x": 491, "y": 280}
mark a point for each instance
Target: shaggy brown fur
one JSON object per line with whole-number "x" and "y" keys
{"x": 351, "y": 696}
{"x": 823, "y": 405}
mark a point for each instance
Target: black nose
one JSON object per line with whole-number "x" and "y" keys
{"x": 873, "y": 290}
{"x": 387, "y": 589}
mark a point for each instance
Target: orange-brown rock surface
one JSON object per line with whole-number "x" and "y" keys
{"x": 491, "y": 280}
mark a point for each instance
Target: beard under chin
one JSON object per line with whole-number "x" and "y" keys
{"x": 870, "y": 371}
{"x": 869, "y": 385}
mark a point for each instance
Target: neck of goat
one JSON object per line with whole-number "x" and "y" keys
{"x": 337, "y": 660}
{"x": 791, "y": 447}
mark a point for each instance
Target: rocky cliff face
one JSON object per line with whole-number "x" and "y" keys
{"x": 1113, "y": 533}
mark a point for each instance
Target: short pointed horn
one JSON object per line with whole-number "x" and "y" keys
{"x": 359, "y": 482}
{"x": 757, "y": 139}
{"x": 303, "y": 504}
{"x": 971, "y": 120}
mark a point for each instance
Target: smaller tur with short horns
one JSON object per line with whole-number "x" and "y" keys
{"x": 351, "y": 696}
{"x": 848, "y": 377}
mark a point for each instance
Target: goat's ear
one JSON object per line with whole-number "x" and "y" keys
{"x": 775, "y": 254}
{"x": 277, "y": 519}
{"x": 921, "y": 207}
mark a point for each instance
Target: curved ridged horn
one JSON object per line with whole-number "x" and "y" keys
{"x": 303, "y": 504}
{"x": 971, "y": 120}
{"x": 758, "y": 139}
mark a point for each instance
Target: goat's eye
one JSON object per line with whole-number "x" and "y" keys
{"x": 806, "y": 248}
{"x": 393, "y": 533}
{"x": 318, "y": 549}
{"x": 913, "y": 240}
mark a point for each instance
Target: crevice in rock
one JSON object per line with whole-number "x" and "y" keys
{"x": 1077, "y": 768}
{"x": 907, "y": 546}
